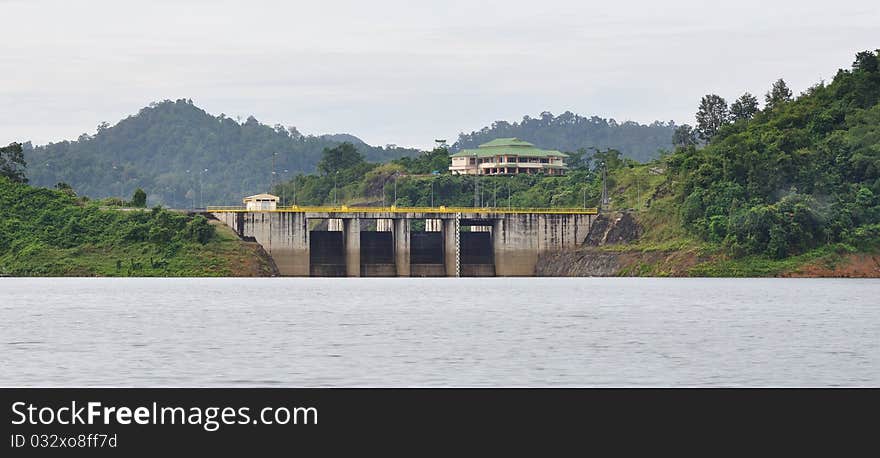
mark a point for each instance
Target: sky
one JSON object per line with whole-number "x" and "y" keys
{"x": 407, "y": 72}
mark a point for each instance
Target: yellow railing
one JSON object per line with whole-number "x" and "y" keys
{"x": 441, "y": 209}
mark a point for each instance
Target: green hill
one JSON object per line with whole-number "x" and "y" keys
{"x": 793, "y": 190}
{"x": 571, "y": 132}
{"x": 163, "y": 148}
{"x": 46, "y": 232}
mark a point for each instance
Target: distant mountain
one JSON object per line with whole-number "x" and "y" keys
{"x": 164, "y": 146}
{"x": 569, "y": 132}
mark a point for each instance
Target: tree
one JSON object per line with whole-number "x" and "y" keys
{"x": 579, "y": 160}
{"x": 341, "y": 157}
{"x": 745, "y": 107}
{"x": 139, "y": 199}
{"x": 865, "y": 61}
{"x": 779, "y": 94}
{"x": 12, "y": 163}
{"x": 65, "y": 188}
{"x": 684, "y": 136}
{"x": 610, "y": 158}
{"x": 711, "y": 116}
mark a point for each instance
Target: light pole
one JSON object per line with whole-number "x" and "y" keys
{"x": 604, "y": 201}
{"x": 476, "y": 182}
{"x": 192, "y": 205}
{"x": 395, "y": 189}
{"x": 508, "y": 194}
{"x": 432, "y": 192}
{"x": 282, "y": 187}
{"x": 274, "y": 154}
{"x": 585, "y": 196}
{"x": 119, "y": 180}
{"x": 335, "y": 178}
{"x": 201, "y": 189}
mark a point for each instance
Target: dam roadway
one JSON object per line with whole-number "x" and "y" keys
{"x": 381, "y": 242}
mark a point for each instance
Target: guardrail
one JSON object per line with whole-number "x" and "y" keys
{"x": 441, "y": 209}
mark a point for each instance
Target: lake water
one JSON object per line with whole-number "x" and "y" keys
{"x": 439, "y": 332}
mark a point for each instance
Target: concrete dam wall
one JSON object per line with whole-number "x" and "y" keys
{"x": 478, "y": 243}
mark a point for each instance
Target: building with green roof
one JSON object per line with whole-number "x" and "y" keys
{"x": 508, "y": 156}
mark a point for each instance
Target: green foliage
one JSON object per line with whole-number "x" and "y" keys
{"x": 570, "y": 132}
{"x": 48, "y": 228}
{"x": 339, "y": 158}
{"x": 745, "y": 107}
{"x": 684, "y": 136}
{"x": 413, "y": 182}
{"x": 801, "y": 175}
{"x": 166, "y": 148}
{"x": 711, "y": 116}
{"x": 436, "y": 160}
{"x": 198, "y": 230}
{"x": 778, "y": 94}
{"x": 12, "y": 163}
{"x": 866, "y": 61}
{"x": 139, "y": 198}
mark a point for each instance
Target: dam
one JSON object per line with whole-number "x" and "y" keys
{"x": 381, "y": 241}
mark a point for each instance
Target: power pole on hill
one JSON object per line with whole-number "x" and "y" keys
{"x": 273, "y": 172}
{"x": 604, "y": 202}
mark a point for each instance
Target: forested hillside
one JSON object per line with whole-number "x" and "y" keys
{"x": 166, "y": 148}
{"x": 571, "y": 132}
{"x": 796, "y": 175}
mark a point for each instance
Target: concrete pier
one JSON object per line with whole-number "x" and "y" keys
{"x": 508, "y": 244}
{"x": 401, "y": 246}
{"x": 351, "y": 237}
{"x": 450, "y": 247}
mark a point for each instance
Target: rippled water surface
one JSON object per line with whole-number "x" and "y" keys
{"x": 439, "y": 332}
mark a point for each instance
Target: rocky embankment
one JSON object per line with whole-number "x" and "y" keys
{"x": 608, "y": 229}
{"x": 602, "y": 256}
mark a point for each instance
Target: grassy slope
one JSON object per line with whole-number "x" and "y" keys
{"x": 226, "y": 255}
{"x": 36, "y": 241}
{"x": 666, "y": 249}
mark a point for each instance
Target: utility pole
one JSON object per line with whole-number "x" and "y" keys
{"x": 201, "y": 189}
{"x": 476, "y": 182}
{"x": 508, "y": 194}
{"x": 604, "y": 202}
{"x": 282, "y": 187}
{"x": 432, "y": 192}
{"x": 193, "y": 197}
{"x": 638, "y": 193}
{"x": 274, "y": 154}
{"x": 335, "y": 177}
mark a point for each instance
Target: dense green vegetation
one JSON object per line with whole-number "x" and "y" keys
{"x": 571, "y": 132}
{"x": 799, "y": 174}
{"x": 347, "y": 178}
{"x": 184, "y": 156}
{"x": 53, "y": 232}
{"x": 12, "y": 163}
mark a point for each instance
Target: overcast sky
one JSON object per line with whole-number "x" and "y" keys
{"x": 407, "y": 72}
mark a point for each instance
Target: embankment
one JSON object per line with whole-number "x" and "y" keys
{"x": 613, "y": 249}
